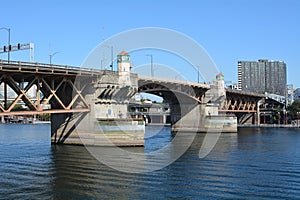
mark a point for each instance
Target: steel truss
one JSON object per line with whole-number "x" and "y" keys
{"x": 236, "y": 102}
{"x": 60, "y": 91}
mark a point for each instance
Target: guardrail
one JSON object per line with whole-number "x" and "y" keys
{"x": 244, "y": 93}
{"x": 42, "y": 67}
{"x": 170, "y": 80}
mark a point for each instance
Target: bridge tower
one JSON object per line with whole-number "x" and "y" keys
{"x": 217, "y": 92}
{"x": 220, "y": 85}
{"x": 108, "y": 121}
{"x": 124, "y": 67}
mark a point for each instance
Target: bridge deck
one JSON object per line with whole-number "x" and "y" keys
{"x": 56, "y": 81}
{"x": 173, "y": 81}
{"x": 41, "y": 68}
{"x": 239, "y": 92}
{"x": 55, "y": 85}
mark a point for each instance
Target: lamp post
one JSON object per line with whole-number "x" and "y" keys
{"x": 8, "y": 30}
{"x": 151, "y": 60}
{"x": 8, "y": 59}
{"x": 51, "y": 56}
{"x": 278, "y": 118}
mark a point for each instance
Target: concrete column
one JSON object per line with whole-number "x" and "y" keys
{"x": 164, "y": 119}
{"x": 258, "y": 117}
{"x": 258, "y": 111}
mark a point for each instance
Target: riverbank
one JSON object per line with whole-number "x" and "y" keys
{"x": 25, "y": 122}
{"x": 269, "y": 125}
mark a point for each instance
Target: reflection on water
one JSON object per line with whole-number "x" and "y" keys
{"x": 256, "y": 163}
{"x": 26, "y": 161}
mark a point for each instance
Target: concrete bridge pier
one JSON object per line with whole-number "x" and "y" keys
{"x": 63, "y": 128}
{"x": 90, "y": 128}
{"x": 64, "y": 125}
{"x": 187, "y": 118}
{"x": 107, "y": 122}
{"x": 203, "y": 118}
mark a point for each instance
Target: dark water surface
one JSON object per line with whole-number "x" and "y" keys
{"x": 255, "y": 164}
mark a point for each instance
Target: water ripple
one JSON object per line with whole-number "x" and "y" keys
{"x": 248, "y": 165}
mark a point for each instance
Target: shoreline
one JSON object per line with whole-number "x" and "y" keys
{"x": 268, "y": 126}
{"x": 29, "y": 122}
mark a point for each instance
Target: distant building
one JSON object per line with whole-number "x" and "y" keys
{"x": 297, "y": 94}
{"x": 10, "y": 92}
{"x": 231, "y": 85}
{"x": 290, "y": 94}
{"x": 262, "y": 76}
{"x": 32, "y": 92}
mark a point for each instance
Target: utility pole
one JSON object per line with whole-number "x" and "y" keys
{"x": 8, "y": 52}
{"x": 8, "y": 58}
{"x": 51, "y": 56}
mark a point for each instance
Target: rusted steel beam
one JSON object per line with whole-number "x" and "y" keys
{"x": 78, "y": 94}
{"x": 239, "y": 111}
{"x": 34, "y": 112}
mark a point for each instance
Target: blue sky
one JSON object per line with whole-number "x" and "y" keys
{"x": 229, "y": 30}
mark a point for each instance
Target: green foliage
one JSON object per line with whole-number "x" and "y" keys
{"x": 293, "y": 109}
{"x": 44, "y": 117}
{"x": 17, "y": 107}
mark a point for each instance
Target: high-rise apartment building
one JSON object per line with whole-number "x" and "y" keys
{"x": 262, "y": 76}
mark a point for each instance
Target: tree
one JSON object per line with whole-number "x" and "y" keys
{"x": 44, "y": 117}
{"x": 17, "y": 107}
{"x": 293, "y": 109}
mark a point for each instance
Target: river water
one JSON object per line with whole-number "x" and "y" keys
{"x": 256, "y": 163}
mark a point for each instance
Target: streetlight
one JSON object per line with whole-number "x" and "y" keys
{"x": 8, "y": 58}
{"x": 51, "y": 56}
{"x": 151, "y": 60}
{"x": 8, "y": 30}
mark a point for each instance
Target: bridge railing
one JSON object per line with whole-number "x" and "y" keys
{"x": 240, "y": 92}
{"x": 170, "y": 80}
{"x": 20, "y": 65}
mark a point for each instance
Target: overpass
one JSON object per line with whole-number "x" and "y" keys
{"x": 77, "y": 93}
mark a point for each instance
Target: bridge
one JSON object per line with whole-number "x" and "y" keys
{"x": 55, "y": 84}
{"x": 245, "y": 105}
{"x": 75, "y": 94}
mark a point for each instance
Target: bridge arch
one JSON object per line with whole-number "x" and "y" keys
{"x": 181, "y": 96}
{"x": 171, "y": 90}
{"x": 171, "y": 96}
